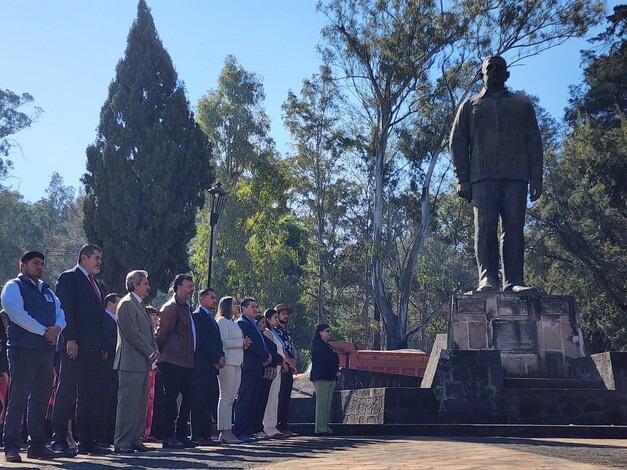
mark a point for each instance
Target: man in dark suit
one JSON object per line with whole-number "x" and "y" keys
{"x": 135, "y": 353}
{"x": 209, "y": 360}
{"x": 108, "y": 375}
{"x": 256, "y": 356}
{"x": 82, "y": 353}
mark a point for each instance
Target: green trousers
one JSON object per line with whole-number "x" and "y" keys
{"x": 324, "y": 397}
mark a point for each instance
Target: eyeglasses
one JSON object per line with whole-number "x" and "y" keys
{"x": 326, "y": 331}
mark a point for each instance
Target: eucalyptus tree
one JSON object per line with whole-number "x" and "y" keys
{"x": 260, "y": 247}
{"x": 13, "y": 120}
{"x": 407, "y": 65}
{"x": 322, "y": 191}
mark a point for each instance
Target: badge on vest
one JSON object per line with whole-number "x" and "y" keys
{"x": 49, "y": 297}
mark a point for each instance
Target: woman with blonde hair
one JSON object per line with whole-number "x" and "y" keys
{"x": 230, "y": 376}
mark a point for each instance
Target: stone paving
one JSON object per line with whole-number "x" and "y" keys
{"x": 367, "y": 453}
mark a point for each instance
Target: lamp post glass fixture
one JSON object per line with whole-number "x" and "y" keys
{"x": 218, "y": 198}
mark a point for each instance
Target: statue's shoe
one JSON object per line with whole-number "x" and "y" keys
{"x": 521, "y": 288}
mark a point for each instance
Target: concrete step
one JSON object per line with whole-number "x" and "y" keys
{"x": 471, "y": 430}
{"x": 552, "y": 383}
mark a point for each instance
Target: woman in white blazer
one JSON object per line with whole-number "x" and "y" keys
{"x": 230, "y": 375}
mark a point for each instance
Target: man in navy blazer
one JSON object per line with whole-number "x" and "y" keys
{"x": 256, "y": 356}
{"x": 82, "y": 353}
{"x": 108, "y": 375}
{"x": 210, "y": 359}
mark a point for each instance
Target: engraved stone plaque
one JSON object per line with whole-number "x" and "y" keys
{"x": 471, "y": 305}
{"x": 554, "y": 306}
{"x": 515, "y": 336}
{"x": 512, "y": 307}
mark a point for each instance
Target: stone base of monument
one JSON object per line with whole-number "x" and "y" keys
{"x": 511, "y": 365}
{"x": 536, "y": 334}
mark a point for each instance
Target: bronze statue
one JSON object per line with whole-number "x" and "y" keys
{"x": 496, "y": 150}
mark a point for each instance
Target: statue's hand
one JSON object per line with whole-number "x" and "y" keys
{"x": 464, "y": 190}
{"x": 535, "y": 190}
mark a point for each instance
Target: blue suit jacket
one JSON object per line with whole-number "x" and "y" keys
{"x": 209, "y": 347}
{"x": 255, "y": 355}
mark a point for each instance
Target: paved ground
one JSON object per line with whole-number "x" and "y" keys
{"x": 365, "y": 453}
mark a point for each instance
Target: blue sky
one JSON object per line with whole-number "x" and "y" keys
{"x": 64, "y": 53}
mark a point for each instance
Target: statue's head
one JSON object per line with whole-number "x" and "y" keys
{"x": 494, "y": 72}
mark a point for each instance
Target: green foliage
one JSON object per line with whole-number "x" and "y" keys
{"x": 12, "y": 121}
{"x": 148, "y": 168}
{"x": 408, "y": 65}
{"x": 52, "y": 225}
{"x": 579, "y": 234}
{"x": 260, "y": 249}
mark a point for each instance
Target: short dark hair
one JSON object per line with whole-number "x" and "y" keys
{"x": 88, "y": 250}
{"x": 111, "y": 298}
{"x": 260, "y": 317}
{"x": 29, "y": 255}
{"x": 269, "y": 313}
{"x": 246, "y": 301}
{"x": 178, "y": 280}
{"x": 206, "y": 292}
{"x": 316, "y": 335}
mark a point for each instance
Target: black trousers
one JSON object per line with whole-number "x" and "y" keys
{"x": 491, "y": 200}
{"x": 246, "y": 403}
{"x": 264, "y": 392}
{"x": 84, "y": 373}
{"x": 285, "y": 393}
{"x": 176, "y": 379}
{"x": 31, "y": 380}
{"x": 206, "y": 394}
{"x": 109, "y": 401}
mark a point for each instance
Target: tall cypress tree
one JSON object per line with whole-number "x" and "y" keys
{"x": 149, "y": 166}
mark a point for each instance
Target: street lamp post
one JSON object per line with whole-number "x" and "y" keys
{"x": 218, "y": 198}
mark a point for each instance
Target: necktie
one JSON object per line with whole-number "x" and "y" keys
{"x": 95, "y": 287}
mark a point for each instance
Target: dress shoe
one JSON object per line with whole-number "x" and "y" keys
{"x": 521, "y": 288}
{"x": 206, "y": 441}
{"x": 63, "y": 448}
{"x": 246, "y": 438}
{"x": 187, "y": 442}
{"x": 12, "y": 455}
{"x": 123, "y": 450}
{"x": 229, "y": 439}
{"x": 95, "y": 450}
{"x": 172, "y": 443}
{"x": 140, "y": 447}
{"x": 42, "y": 452}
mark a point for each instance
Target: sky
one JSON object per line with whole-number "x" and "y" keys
{"x": 64, "y": 53}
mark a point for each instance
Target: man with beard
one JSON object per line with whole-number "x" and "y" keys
{"x": 176, "y": 338}
{"x": 287, "y": 378}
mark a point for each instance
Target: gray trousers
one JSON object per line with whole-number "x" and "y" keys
{"x": 130, "y": 416}
{"x": 31, "y": 384}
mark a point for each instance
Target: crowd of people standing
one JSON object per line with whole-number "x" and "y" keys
{"x": 118, "y": 366}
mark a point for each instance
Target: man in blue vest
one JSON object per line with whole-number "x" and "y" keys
{"x": 35, "y": 321}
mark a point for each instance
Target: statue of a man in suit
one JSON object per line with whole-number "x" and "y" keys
{"x": 496, "y": 149}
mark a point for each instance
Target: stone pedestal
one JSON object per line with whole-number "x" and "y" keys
{"x": 536, "y": 334}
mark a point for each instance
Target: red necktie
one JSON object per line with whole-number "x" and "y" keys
{"x": 93, "y": 285}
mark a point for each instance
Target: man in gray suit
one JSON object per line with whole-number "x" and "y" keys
{"x": 136, "y": 351}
